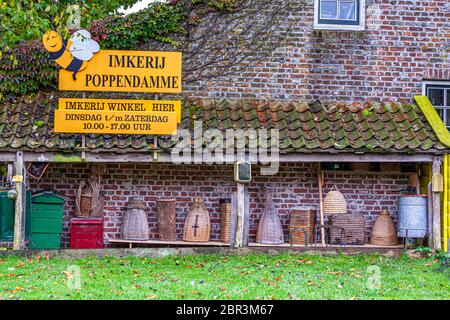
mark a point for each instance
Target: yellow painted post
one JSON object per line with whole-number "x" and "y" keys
{"x": 443, "y": 135}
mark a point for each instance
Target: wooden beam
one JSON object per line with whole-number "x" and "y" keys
{"x": 320, "y": 183}
{"x": 240, "y": 199}
{"x": 436, "y": 209}
{"x": 7, "y": 157}
{"x": 19, "y": 178}
{"x": 352, "y": 157}
{"x": 142, "y": 157}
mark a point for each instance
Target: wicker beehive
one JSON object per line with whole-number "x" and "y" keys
{"x": 354, "y": 226}
{"x": 270, "y": 230}
{"x": 165, "y": 212}
{"x": 334, "y": 202}
{"x": 302, "y": 218}
{"x": 135, "y": 224}
{"x": 225, "y": 212}
{"x": 384, "y": 232}
{"x": 197, "y": 227}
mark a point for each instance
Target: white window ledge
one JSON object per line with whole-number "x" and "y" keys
{"x": 341, "y": 27}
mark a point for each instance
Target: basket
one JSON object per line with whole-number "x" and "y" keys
{"x": 135, "y": 223}
{"x": 225, "y": 213}
{"x": 304, "y": 218}
{"x": 354, "y": 226}
{"x": 197, "y": 227}
{"x": 334, "y": 202}
{"x": 384, "y": 232}
{"x": 166, "y": 215}
{"x": 270, "y": 230}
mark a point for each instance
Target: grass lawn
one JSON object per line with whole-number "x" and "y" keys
{"x": 219, "y": 277}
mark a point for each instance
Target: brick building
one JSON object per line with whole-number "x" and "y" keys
{"x": 399, "y": 48}
{"x": 340, "y": 90}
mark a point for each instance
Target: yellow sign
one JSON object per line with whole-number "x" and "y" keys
{"x": 17, "y": 179}
{"x": 118, "y": 122}
{"x": 114, "y": 105}
{"x": 126, "y": 71}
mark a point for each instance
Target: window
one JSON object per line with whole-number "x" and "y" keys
{"x": 439, "y": 95}
{"x": 340, "y": 14}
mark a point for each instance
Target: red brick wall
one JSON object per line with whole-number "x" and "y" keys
{"x": 295, "y": 185}
{"x": 405, "y": 42}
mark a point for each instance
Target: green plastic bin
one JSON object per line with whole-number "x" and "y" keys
{"x": 7, "y": 216}
{"x": 46, "y": 220}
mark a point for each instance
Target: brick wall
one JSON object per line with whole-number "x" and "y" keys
{"x": 295, "y": 185}
{"x": 405, "y": 42}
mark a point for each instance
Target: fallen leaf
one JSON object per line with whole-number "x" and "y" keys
{"x": 152, "y": 296}
{"x": 356, "y": 275}
{"x": 431, "y": 263}
{"x": 17, "y": 289}
{"x": 8, "y": 275}
{"x": 302, "y": 261}
{"x": 200, "y": 265}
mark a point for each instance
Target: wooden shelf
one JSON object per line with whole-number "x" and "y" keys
{"x": 170, "y": 243}
{"x": 312, "y": 246}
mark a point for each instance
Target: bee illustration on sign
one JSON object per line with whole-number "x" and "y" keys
{"x": 72, "y": 54}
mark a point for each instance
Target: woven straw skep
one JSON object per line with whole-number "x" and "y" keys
{"x": 135, "y": 223}
{"x": 334, "y": 202}
{"x": 197, "y": 227}
{"x": 384, "y": 232}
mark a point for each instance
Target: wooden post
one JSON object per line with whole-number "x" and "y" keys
{"x": 430, "y": 215}
{"x": 240, "y": 199}
{"x": 320, "y": 182}
{"x": 436, "y": 209}
{"x": 19, "y": 178}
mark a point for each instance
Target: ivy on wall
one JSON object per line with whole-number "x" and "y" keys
{"x": 26, "y": 69}
{"x": 158, "y": 22}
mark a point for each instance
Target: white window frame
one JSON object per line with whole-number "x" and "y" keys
{"x": 438, "y": 83}
{"x": 342, "y": 27}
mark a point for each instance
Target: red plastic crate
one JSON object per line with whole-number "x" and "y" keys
{"x": 86, "y": 233}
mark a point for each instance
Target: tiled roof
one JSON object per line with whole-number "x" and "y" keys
{"x": 27, "y": 124}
